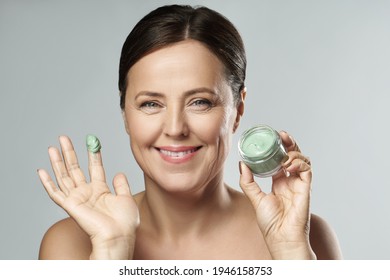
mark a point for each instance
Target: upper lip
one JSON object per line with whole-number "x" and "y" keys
{"x": 177, "y": 148}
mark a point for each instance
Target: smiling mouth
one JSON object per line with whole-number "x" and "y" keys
{"x": 177, "y": 153}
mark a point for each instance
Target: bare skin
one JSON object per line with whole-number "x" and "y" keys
{"x": 180, "y": 94}
{"x": 221, "y": 229}
{"x": 235, "y": 238}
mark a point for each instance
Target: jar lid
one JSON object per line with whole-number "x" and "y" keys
{"x": 258, "y": 142}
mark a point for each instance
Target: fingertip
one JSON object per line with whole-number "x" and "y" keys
{"x": 245, "y": 168}
{"x": 283, "y": 132}
{"x": 119, "y": 178}
{"x": 286, "y": 173}
{"x": 53, "y": 153}
{"x": 248, "y": 185}
{"x": 246, "y": 173}
{"x": 121, "y": 184}
{"x": 43, "y": 175}
{"x": 66, "y": 143}
{"x": 93, "y": 143}
{"x": 63, "y": 139}
{"x": 120, "y": 174}
{"x": 40, "y": 172}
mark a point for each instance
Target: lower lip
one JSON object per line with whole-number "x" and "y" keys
{"x": 178, "y": 160}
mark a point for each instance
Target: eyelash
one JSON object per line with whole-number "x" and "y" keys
{"x": 203, "y": 101}
{"x": 198, "y": 104}
{"x": 149, "y": 104}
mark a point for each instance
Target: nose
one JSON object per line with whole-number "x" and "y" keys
{"x": 175, "y": 123}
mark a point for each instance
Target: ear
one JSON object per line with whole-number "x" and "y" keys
{"x": 125, "y": 121}
{"x": 240, "y": 109}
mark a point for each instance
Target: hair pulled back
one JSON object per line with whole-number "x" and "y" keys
{"x": 174, "y": 23}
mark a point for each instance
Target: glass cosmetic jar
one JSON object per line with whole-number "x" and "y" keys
{"x": 261, "y": 149}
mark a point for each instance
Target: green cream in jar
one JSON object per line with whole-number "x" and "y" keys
{"x": 261, "y": 149}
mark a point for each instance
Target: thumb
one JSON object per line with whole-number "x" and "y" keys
{"x": 121, "y": 185}
{"x": 248, "y": 185}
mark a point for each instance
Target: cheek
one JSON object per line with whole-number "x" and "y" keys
{"x": 213, "y": 129}
{"x": 142, "y": 131}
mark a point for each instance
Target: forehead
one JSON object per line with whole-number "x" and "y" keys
{"x": 184, "y": 63}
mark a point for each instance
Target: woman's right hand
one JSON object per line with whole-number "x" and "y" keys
{"x": 109, "y": 219}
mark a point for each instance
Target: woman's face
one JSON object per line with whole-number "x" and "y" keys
{"x": 180, "y": 116}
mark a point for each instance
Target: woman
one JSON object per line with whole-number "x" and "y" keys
{"x": 181, "y": 80}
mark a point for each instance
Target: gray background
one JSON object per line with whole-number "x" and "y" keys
{"x": 317, "y": 69}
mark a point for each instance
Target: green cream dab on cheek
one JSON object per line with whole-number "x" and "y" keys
{"x": 93, "y": 143}
{"x": 261, "y": 149}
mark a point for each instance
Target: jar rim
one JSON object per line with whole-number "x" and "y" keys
{"x": 269, "y": 152}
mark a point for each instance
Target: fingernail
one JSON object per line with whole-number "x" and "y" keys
{"x": 239, "y": 167}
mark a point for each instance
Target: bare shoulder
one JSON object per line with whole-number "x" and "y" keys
{"x": 323, "y": 239}
{"x": 65, "y": 240}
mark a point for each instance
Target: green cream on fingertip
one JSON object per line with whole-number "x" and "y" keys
{"x": 93, "y": 143}
{"x": 261, "y": 149}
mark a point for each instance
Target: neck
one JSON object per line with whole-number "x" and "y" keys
{"x": 179, "y": 214}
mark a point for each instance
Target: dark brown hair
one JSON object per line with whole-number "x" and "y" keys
{"x": 171, "y": 24}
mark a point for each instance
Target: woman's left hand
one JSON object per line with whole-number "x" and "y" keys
{"x": 283, "y": 215}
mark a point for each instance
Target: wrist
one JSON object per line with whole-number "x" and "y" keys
{"x": 293, "y": 251}
{"x": 113, "y": 249}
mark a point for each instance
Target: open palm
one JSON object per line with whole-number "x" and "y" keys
{"x": 103, "y": 215}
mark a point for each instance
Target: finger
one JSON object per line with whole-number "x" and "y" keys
{"x": 54, "y": 193}
{"x": 296, "y": 155}
{"x": 289, "y": 142}
{"x": 64, "y": 181}
{"x": 95, "y": 166}
{"x": 71, "y": 162}
{"x": 121, "y": 185}
{"x": 301, "y": 169}
{"x": 248, "y": 185}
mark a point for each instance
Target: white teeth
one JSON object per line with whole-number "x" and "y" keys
{"x": 177, "y": 154}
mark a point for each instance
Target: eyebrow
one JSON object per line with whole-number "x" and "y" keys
{"x": 186, "y": 93}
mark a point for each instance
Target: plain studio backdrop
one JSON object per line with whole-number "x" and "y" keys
{"x": 317, "y": 69}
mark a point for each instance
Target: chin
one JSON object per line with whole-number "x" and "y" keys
{"x": 180, "y": 183}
